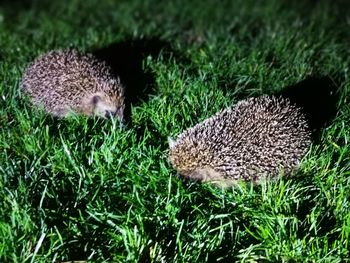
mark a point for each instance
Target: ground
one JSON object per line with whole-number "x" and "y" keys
{"x": 98, "y": 190}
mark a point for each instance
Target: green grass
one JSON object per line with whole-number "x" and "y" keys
{"x": 92, "y": 189}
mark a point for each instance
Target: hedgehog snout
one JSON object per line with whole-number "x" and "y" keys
{"x": 114, "y": 113}
{"x": 103, "y": 107}
{"x": 119, "y": 112}
{"x": 109, "y": 114}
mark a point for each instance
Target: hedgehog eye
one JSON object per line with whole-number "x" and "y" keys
{"x": 96, "y": 99}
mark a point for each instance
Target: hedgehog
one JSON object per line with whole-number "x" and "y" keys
{"x": 258, "y": 138}
{"x": 66, "y": 81}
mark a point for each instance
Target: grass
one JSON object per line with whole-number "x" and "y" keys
{"x": 92, "y": 189}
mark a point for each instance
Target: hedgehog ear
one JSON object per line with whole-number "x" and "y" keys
{"x": 95, "y": 99}
{"x": 171, "y": 142}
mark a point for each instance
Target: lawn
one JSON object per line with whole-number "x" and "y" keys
{"x": 98, "y": 190}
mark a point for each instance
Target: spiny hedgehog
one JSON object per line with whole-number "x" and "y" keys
{"x": 257, "y": 138}
{"x": 65, "y": 81}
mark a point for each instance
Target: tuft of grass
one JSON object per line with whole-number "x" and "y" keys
{"x": 96, "y": 190}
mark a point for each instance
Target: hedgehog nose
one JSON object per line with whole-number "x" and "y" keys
{"x": 109, "y": 114}
{"x": 118, "y": 113}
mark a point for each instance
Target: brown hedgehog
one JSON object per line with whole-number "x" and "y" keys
{"x": 69, "y": 81}
{"x": 257, "y": 138}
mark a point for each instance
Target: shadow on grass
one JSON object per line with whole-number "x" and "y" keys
{"x": 318, "y": 97}
{"x": 17, "y": 4}
{"x": 127, "y": 59}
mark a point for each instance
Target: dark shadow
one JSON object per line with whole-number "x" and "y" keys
{"x": 127, "y": 58}
{"x": 12, "y": 9}
{"x": 318, "y": 98}
{"x": 16, "y": 3}
{"x": 316, "y": 95}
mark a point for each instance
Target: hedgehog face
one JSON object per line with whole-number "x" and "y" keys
{"x": 194, "y": 170}
{"x": 104, "y": 106}
{"x": 180, "y": 158}
{"x": 186, "y": 158}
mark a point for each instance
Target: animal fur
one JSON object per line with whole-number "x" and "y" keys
{"x": 254, "y": 139}
{"x": 69, "y": 81}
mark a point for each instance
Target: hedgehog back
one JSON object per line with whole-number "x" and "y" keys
{"x": 60, "y": 79}
{"x": 257, "y": 137}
